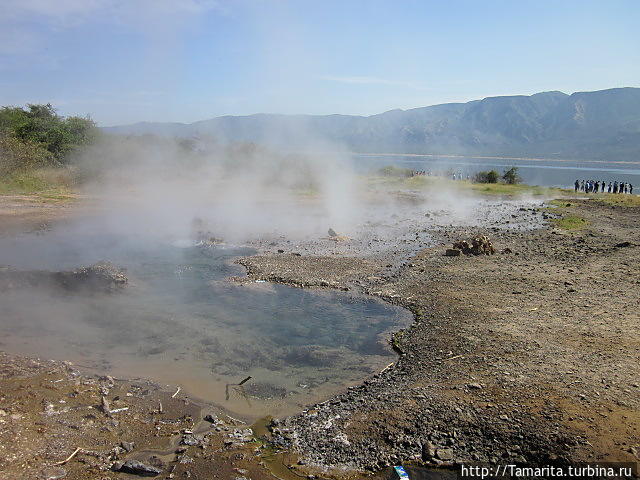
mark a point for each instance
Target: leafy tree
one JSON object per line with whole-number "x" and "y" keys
{"x": 490, "y": 176}
{"x": 511, "y": 176}
{"x": 39, "y": 127}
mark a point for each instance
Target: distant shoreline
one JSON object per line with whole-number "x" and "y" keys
{"x": 488, "y": 157}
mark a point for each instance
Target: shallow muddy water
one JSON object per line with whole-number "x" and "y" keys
{"x": 180, "y": 321}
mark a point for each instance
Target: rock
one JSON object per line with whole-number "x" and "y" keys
{"x": 428, "y": 451}
{"x": 156, "y": 461}
{"x": 623, "y": 244}
{"x": 479, "y": 245}
{"x": 242, "y": 435}
{"x": 128, "y": 446}
{"x": 474, "y": 386}
{"x": 211, "y": 418}
{"x": 100, "y": 276}
{"x": 332, "y": 233}
{"x": 104, "y": 406}
{"x": 189, "y": 440}
{"x": 452, "y": 252}
{"x": 445, "y": 454}
{"x": 137, "y": 468}
{"x": 506, "y": 251}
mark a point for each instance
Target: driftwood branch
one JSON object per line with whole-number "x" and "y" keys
{"x": 75, "y": 452}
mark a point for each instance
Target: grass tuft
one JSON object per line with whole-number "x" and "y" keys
{"x": 52, "y": 183}
{"x": 570, "y": 222}
{"x": 619, "y": 199}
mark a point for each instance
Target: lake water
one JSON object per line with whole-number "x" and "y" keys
{"x": 557, "y": 173}
{"x": 180, "y": 321}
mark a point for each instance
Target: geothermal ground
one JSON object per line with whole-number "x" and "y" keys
{"x": 529, "y": 355}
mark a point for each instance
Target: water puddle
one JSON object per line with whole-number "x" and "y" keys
{"x": 179, "y": 321}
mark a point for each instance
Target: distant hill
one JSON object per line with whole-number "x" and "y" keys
{"x": 602, "y": 124}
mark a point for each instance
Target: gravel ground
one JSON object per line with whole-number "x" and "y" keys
{"x": 529, "y": 356}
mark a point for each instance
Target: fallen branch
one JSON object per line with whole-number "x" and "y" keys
{"x": 75, "y": 452}
{"x": 387, "y": 367}
{"x": 452, "y": 358}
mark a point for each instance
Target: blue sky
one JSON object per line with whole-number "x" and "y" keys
{"x": 123, "y": 61}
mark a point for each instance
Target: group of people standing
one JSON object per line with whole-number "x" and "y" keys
{"x": 590, "y": 186}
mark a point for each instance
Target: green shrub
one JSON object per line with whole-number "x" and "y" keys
{"x": 511, "y": 176}
{"x": 490, "y": 176}
{"x": 40, "y": 126}
{"x": 19, "y": 156}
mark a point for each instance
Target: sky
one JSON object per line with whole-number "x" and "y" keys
{"x": 124, "y": 61}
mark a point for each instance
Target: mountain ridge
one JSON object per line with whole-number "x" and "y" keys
{"x": 598, "y": 124}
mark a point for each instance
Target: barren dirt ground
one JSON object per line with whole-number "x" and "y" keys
{"x": 526, "y": 356}
{"x": 529, "y": 356}
{"x": 27, "y": 213}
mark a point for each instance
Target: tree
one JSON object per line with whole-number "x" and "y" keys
{"x": 40, "y": 125}
{"x": 511, "y": 176}
{"x": 490, "y": 176}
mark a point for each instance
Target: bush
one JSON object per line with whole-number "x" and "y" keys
{"x": 19, "y": 156}
{"x": 490, "y": 176}
{"x": 511, "y": 176}
{"x": 40, "y": 127}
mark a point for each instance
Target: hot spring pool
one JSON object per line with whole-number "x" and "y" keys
{"x": 180, "y": 321}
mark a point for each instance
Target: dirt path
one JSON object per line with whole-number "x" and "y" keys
{"x": 28, "y": 213}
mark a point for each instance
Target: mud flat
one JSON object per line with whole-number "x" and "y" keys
{"x": 59, "y": 422}
{"x": 528, "y": 356}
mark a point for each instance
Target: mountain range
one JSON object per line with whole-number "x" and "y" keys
{"x": 603, "y": 124}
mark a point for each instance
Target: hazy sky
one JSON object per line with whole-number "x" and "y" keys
{"x": 123, "y": 61}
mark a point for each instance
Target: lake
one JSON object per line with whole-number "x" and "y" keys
{"x": 545, "y": 172}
